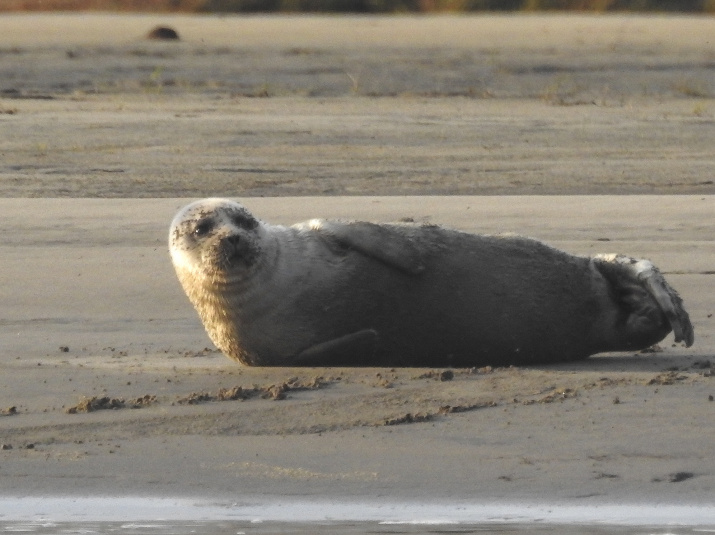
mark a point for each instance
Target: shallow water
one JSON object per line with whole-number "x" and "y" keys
{"x": 46, "y": 515}
{"x": 238, "y": 528}
{"x": 264, "y": 528}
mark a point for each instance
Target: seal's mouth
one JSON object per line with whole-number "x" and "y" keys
{"x": 233, "y": 251}
{"x": 229, "y": 250}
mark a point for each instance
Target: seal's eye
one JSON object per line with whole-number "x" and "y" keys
{"x": 203, "y": 227}
{"x": 244, "y": 221}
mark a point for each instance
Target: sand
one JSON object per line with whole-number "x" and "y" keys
{"x": 94, "y": 310}
{"x": 98, "y": 152}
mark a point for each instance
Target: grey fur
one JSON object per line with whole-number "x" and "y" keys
{"x": 356, "y": 294}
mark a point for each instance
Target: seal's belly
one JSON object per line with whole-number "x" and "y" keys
{"x": 466, "y": 307}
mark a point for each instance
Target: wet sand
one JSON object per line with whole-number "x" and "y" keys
{"x": 92, "y": 173}
{"x": 262, "y": 106}
{"x": 93, "y": 310}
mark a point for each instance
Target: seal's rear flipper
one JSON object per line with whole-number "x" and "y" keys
{"x": 376, "y": 241}
{"x": 632, "y": 277}
{"x": 350, "y": 350}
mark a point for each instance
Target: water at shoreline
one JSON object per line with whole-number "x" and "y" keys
{"x": 178, "y": 516}
{"x": 340, "y": 528}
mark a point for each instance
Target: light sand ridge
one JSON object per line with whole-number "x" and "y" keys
{"x": 614, "y": 427}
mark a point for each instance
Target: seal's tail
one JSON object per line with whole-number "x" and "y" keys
{"x": 652, "y": 281}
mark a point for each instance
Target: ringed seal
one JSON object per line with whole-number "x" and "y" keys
{"x": 332, "y": 293}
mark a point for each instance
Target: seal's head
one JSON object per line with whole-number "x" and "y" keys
{"x": 212, "y": 240}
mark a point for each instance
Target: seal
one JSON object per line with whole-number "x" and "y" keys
{"x": 334, "y": 293}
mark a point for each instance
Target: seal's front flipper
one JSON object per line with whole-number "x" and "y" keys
{"x": 353, "y": 349}
{"x": 383, "y": 243}
{"x": 632, "y": 278}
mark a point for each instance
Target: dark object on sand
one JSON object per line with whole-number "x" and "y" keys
{"x": 163, "y": 33}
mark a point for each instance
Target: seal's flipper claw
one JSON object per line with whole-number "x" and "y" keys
{"x": 359, "y": 346}
{"x": 664, "y": 295}
{"x": 669, "y": 302}
{"x": 376, "y": 241}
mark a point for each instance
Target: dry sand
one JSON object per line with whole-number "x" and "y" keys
{"x": 91, "y": 307}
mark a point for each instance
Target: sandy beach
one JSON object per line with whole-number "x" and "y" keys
{"x": 132, "y": 336}
{"x": 593, "y": 134}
